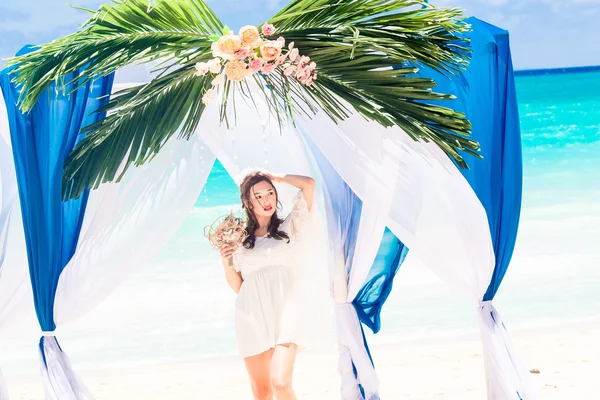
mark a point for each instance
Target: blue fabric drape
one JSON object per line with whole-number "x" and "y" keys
{"x": 486, "y": 94}
{"x": 42, "y": 139}
{"x": 378, "y": 285}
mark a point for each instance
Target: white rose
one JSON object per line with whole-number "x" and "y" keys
{"x": 208, "y": 96}
{"x": 201, "y": 69}
{"x": 214, "y": 65}
{"x": 218, "y": 80}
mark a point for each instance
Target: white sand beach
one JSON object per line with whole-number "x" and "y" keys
{"x": 567, "y": 357}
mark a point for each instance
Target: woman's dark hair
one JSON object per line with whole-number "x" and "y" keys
{"x": 252, "y": 224}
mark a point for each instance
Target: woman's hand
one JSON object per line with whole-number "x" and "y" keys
{"x": 233, "y": 277}
{"x": 228, "y": 251}
{"x": 275, "y": 177}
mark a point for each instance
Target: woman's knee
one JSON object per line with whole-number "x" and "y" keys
{"x": 281, "y": 384}
{"x": 262, "y": 390}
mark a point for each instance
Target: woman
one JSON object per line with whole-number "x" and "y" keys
{"x": 268, "y": 307}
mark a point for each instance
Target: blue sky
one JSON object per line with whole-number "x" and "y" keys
{"x": 544, "y": 33}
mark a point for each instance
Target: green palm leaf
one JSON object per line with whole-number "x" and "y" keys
{"x": 355, "y": 43}
{"x": 129, "y": 31}
{"x": 144, "y": 117}
{"x": 177, "y": 33}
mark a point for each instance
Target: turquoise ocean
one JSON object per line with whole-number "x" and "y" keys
{"x": 179, "y": 308}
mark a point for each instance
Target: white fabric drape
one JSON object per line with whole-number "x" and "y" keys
{"x": 350, "y": 336}
{"x": 411, "y": 187}
{"x": 127, "y": 223}
{"x": 58, "y": 377}
{"x": 124, "y": 226}
{"x": 8, "y": 194}
{"x": 507, "y": 377}
{"x": 415, "y": 190}
{"x": 14, "y": 283}
{"x": 8, "y": 191}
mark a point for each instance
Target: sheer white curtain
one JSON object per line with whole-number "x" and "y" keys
{"x": 350, "y": 336}
{"x": 8, "y": 192}
{"x": 415, "y": 190}
{"x": 434, "y": 211}
{"x": 8, "y": 182}
{"x": 125, "y": 225}
{"x": 14, "y": 282}
{"x": 507, "y": 376}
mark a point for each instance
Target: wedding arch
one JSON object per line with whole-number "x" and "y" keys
{"x": 389, "y": 159}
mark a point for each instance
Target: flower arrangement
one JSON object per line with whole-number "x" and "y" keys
{"x": 250, "y": 52}
{"x": 226, "y": 231}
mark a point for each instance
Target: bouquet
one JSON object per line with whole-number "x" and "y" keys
{"x": 226, "y": 231}
{"x": 251, "y": 52}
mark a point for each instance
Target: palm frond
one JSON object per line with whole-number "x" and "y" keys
{"x": 143, "y": 118}
{"x": 126, "y": 32}
{"x": 357, "y": 44}
{"x": 367, "y": 54}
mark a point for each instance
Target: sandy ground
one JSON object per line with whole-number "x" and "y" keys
{"x": 568, "y": 358}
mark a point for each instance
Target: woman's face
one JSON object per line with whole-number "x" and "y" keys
{"x": 263, "y": 199}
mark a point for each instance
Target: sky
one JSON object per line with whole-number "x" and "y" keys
{"x": 543, "y": 33}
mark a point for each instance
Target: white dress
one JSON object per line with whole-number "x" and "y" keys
{"x": 268, "y": 307}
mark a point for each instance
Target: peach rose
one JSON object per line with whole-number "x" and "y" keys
{"x": 249, "y": 36}
{"x": 236, "y": 70}
{"x": 270, "y": 50}
{"x": 227, "y": 45}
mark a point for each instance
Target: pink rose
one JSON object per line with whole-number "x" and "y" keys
{"x": 268, "y": 29}
{"x": 289, "y": 70}
{"x": 280, "y": 60}
{"x": 242, "y": 53}
{"x": 255, "y": 65}
{"x": 281, "y": 41}
{"x": 294, "y": 54}
{"x": 268, "y": 68}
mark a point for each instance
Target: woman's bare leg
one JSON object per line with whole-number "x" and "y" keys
{"x": 259, "y": 370}
{"x": 282, "y": 368}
